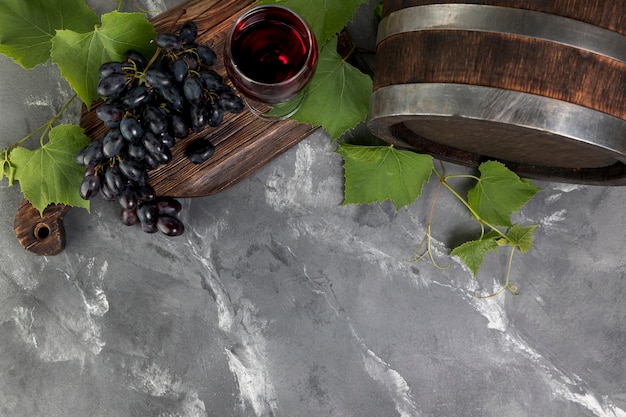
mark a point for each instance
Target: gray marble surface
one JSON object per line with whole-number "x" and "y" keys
{"x": 280, "y": 301}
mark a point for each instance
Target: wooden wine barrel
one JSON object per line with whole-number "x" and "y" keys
{"x": 539, "y": 85}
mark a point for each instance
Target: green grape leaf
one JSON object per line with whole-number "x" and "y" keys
{"x": 338, "y": 96}
{"x": 28, "y": 26}
{"x": 473, "y": 253}
{"x": 4, "y": 169}
{"x": 7, "y": 169}
{"x": 522, "y": 236}
{"x": 379, "y": 173}
{"x": 378, "y": 11}
{"x": 80, "y": 55}
{"x": 499, "y": 193}
{"x": 50, "y": 174}
{"x": 325, "y": 18}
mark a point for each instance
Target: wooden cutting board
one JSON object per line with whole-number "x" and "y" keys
{"x": 243, "y": 142}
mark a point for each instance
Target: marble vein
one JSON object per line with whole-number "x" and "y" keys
{"x": 246, "y": 356}
{"x": 562, "y": 385}
{"x": 395, "y": 385}
{"x": 380, "y": 371}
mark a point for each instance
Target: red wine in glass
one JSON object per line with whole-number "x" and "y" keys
{"x": 270, "y": 55}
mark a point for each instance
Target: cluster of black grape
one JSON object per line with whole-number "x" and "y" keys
{"x": 147, "y": 107}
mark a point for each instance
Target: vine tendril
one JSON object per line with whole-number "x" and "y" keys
{"x": 427, "y": 239}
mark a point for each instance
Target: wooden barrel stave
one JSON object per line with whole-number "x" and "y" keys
{"x": 507, "y": 62}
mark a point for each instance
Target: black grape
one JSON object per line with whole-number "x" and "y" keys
{"x": 150, "y": 161}
{"x": 179, "y": 125}
{"x": 190, "y": 60}
{"x": 137, "y": 58}
{"x": 199, "y": 117}
{"x": 180, "y": 70}
{"x": 111, "y": 114}
{"x": 106, "y": 192}
{"x": 133, "y": 170}
{"x": 216, "y": 114}
{"x": 192, "y": 88}
{"x": 112, "y": 85}
{"x": 200, "y": 151}
{"x": 167, "y": 139}
{"x": 128, "y": 198}
{"x": 136, "y": 96}
{"x": 131, "y": 129}
{"x": 80, "y": 157}
{"x": 155, "y": 120}
{"x": 168, "y": 41}
{"x": 188, "y": 32}
{"x": 93, "y": 154}
{"x": 230, "y": 102}
{"x": 113, "y": 143}
{"x": 136, "y": 151}
{"x": 173, "y": 95}
{"x": 161, "y": 153}
{"x": 91, "y": 170}
{"x": 158, "y": 78}
{"x": 129, "y": 216}
{"x": 212, "y": 80}
{"x": 170, "y": 226}
{"x": 89, "y": 187}
{"x": 110, "y": 68}
{"x": 207, "y": 55}
{"x": 114, "y": 180}
{"x": 167, "y": 205}
{"x": 147, "y": 213}
{"x": 146, "y": 193}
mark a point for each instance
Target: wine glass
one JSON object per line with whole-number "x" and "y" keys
{"x": 270, "y": 55}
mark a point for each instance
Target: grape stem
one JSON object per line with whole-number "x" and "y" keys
{"x": 443, "y": 180}
{"x": 507, "y": 286}
{"x": 428, "y": 237}
{"x": 45, "y": 127}
{"x": 154, "y": 58}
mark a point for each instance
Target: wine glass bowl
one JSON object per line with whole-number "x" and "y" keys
{"x": 270, "y": 56}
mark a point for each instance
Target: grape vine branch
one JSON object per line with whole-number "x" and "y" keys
{"x": 475, "y": 258}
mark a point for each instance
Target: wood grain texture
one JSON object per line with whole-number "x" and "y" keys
{"x": 504, "y": 61}
{"x": 41, "y": 234}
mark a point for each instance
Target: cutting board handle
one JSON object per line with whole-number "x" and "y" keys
{"x": 41, "y": 234}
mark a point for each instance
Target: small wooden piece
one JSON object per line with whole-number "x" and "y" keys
{"x": 41, "y": 234}
{"x": 243, "y": 142}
